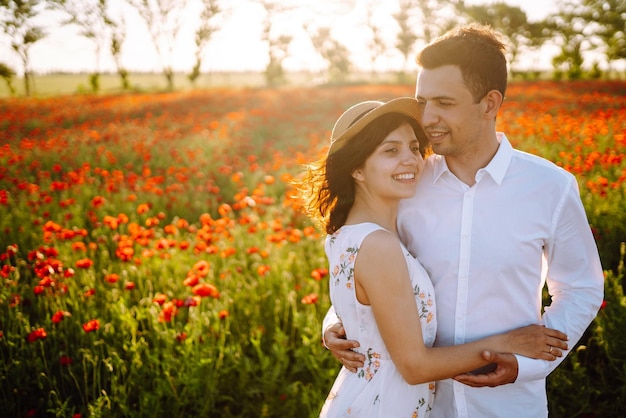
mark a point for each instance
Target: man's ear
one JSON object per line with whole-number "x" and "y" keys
{"x": 492, "y": 102}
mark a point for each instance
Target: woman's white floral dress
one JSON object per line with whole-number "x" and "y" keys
{"x": 378, "y": 389}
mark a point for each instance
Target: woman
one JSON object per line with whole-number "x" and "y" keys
{"x": 382, "y": 295}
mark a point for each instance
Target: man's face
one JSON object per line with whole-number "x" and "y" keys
{"x": 451, "y": 119}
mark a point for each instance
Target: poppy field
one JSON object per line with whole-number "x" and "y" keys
{"x": 154, "y": 260}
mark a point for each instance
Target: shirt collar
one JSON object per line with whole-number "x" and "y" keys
{"x": 496, "y": 168}
{"x": 500, "y": 162}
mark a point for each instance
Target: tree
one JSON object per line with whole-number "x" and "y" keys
{"x": 18, "y": 23}
{"x": 423, "y": 20}
{"x": 510, "y": 21}
{"x": 94, "y": 24}
{"x": 377, "y": 46}
{"x": 278, "y": 46}
{"x": 435, "y": 17}
{"x": 570, "y": 32}
{"x": 608, "y": 19}
{"x": 406, "y": 37}
{"x": 163, "y": 18}
{"x": 118, "y": 35}
{"x": 538, "y": 34}
{"x": 335, "y": 55}
{"x": 210, "y": 11}
{"x": 8, "y": 73}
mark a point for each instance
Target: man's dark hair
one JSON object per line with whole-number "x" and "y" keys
{"x": 478, "y": 52}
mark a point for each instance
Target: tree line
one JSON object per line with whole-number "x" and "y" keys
{"x": 578, "y": 27}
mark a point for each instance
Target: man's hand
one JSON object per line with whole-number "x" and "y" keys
{"x": 505, "y": 372}
{"x": 335, "y": 339}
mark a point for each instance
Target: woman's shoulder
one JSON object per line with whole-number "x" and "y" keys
{"x": 381, "y": 244}
{"x": 354, "y": 232}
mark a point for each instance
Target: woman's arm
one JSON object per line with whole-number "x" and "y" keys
{"x": 382, "y": 281}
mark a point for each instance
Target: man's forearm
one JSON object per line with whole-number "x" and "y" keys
{"x": 330, "y": 319}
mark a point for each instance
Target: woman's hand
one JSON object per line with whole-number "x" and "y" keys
{"x": 537, "y": 341}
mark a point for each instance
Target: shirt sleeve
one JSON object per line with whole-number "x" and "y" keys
{"x": 574, "y": 277}
{"x": 330, "y": 319}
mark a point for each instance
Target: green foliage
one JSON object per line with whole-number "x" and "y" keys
{"x": 265, "y": 355}
{"x": 592, "y": 380}
{"x": 210, "y": 172}
{"x": 17, "y": 20}
{"x": 94, "y": 82}
{"x": 7, "y": 73}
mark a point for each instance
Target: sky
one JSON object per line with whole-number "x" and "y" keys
{"x": 237, "y": 46}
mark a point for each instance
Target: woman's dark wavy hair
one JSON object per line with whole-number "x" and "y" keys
{"x": 477, "y": 50}
{"x": 327, "y": 186}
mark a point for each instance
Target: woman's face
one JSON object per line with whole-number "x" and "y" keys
{"x": 393, "y": 169}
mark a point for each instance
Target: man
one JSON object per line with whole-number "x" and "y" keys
{"x": 491, "y": 225}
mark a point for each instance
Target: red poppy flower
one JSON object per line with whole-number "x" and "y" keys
{"x": 4, "y": 197}
{"x": 143, "y": 208}
{"x": 310, "y": 299}
{"x": 168, "y": 312}
{"x": 262, "y": 270}
{"x": 192, "y": 301}
{"x": 97, "y": 201}
{"x": 191, "y": 280}
{"x": 111, "y": 222}
{"x": 84, "y": 263}
{"x": 58, "y": 316}
{"x": 159, "y": 298}
{"x": 6, "y": 269}
{"x": 319, "y": 273}
{"x": 65, "y": 360}
{"x": 38, "y": 334}
{"x": 224, "y": 209}
{"x": 205, "y": 289}
{"x": 112, "y": 278}
{"x": 90, "y": 326}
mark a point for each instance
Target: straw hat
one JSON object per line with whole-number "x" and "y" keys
{"x": 353, "y": 120}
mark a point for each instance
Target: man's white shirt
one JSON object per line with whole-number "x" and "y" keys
{"x": 489, "y": 249}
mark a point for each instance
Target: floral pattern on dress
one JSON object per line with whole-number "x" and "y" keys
{"x": 345, "y": 268}
{"x": 377, "y": 388}
{"x": 371, "y": 366}
{"x": 425, "y": 304}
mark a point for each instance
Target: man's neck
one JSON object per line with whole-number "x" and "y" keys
{"x": 465, "y": 166}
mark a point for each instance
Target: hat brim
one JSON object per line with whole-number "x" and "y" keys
{"x": 408, "y": 106}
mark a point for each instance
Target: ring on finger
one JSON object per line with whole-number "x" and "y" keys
{"x": 550, "y": 350}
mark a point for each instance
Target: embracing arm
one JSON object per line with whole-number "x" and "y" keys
{"x": 387, "y": 288}
{"x": 334, "y": 338}
{"x": 575, "y": 279}
{"x": 576, "y": 285}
